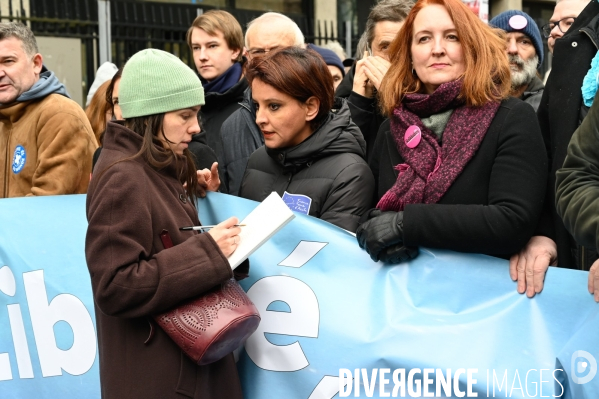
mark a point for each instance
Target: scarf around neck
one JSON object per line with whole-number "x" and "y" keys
{"x": 430, "y": 169}
{"x": 225, "y": 81}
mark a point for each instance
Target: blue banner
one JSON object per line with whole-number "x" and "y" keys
{"x": 334, "y": 323}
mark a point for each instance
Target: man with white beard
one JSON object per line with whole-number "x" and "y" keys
{"x": 525, "y": 52}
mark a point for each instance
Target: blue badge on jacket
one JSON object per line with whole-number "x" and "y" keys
{"x": 18, "y": 159}
{"x": 297, "y": 202}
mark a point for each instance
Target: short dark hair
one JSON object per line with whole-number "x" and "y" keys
{"x": 386, "y": 10}
{"x": 299, "y": 73}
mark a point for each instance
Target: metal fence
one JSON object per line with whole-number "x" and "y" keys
{"x": 136, "y": 25}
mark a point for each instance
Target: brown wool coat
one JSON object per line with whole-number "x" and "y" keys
{"x": 59, "y": 145}
{"x": 133, "y": 277}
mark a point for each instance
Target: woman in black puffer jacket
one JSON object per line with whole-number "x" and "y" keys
{"x": 313, "y": 152}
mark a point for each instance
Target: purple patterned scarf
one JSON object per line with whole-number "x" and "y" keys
{"x": 430, "y": 169}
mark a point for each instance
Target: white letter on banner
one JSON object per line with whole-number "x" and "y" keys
{"x": 7, "y": 287}
{"x": 471, "y": 381}
{"x": 411, "y": 383}
{"x": 80, "y": 357}
{"x": 443, "y": 382}
{"x": 517, "y": 375}
{"x": 382, "y": 382}
{"x": 328, "y": 387}
{"x": 369, "y": 387}
{"x": 556, "y": 380}
{"x": 534, "y": 382}
{"x": 20, "y": 341}
{"x": 541, "y": 381}
{"x": 456, "y": 383}
{"x": 504, "y": 379}
{"x": 303, "y": 321}
{"x": 426, "y": 381}
{"x": 345, "y": 383}
{"x": 399, "y": 383}
{"x": 5, "y": 371}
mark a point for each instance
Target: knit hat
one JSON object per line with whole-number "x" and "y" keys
{"x": 106, "y": 71}
{"x": 518, "y": 21}
{"x": 156, "y": 82}
{"x": 329, "y": 56}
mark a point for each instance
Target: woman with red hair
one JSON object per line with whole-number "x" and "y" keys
{"x": 459, "y": 164}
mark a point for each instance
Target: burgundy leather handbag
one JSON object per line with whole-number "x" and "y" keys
{"x": 211, "y": 326}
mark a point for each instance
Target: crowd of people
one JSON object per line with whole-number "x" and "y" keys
{"x": 440, "y": 133}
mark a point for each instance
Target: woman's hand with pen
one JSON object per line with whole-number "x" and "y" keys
{"x": 226, "y": 235}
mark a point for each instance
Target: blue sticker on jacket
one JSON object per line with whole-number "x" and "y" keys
{"x": 297, "y": 202}
{"x": 18, "y": 159}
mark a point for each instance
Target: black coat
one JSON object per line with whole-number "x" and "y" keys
{"x": 217, "y": 109}
{"x": 365, "y": 111}
{"x": 560, "y": 114}
{"x": 493, "y": 205}
{"x": 328, "y": 167}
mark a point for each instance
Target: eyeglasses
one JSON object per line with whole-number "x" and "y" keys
{"x": 563, "y": 25}
{"x": 260, "y": 51}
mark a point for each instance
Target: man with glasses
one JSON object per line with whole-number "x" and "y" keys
{"x": 563, "y": 17}
{"x": 525, "y": 52}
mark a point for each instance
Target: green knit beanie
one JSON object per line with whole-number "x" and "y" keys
{"x": 155, "y": 82}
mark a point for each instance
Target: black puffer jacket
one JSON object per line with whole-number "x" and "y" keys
{"x": 560, "y": 113}
{"x": 328, "y": 167}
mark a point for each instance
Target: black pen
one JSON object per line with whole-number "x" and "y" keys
{"x": 205, "y": 227}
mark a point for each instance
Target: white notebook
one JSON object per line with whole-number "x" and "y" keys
{"x": 260, "y": 225}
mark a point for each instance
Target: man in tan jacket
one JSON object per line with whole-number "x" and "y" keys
{"x": 46, "y": 142}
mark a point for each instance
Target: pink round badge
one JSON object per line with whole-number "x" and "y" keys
{"x": 412, "y": 136}
{"x": 518, "y": 22}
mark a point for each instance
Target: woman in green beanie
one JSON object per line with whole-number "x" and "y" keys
{"x": 145, "y": 184}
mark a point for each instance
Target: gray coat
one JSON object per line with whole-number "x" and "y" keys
{"x": 240, "y": 138}
{"x": 533, "y": 93}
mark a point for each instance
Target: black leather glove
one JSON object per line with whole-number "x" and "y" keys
{"x": 369, "y": 215}
{"x": 381, "y": 230}
{"x": 398, "y": 253}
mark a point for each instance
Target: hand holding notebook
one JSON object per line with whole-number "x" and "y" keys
{"x": 259, "y": 226}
